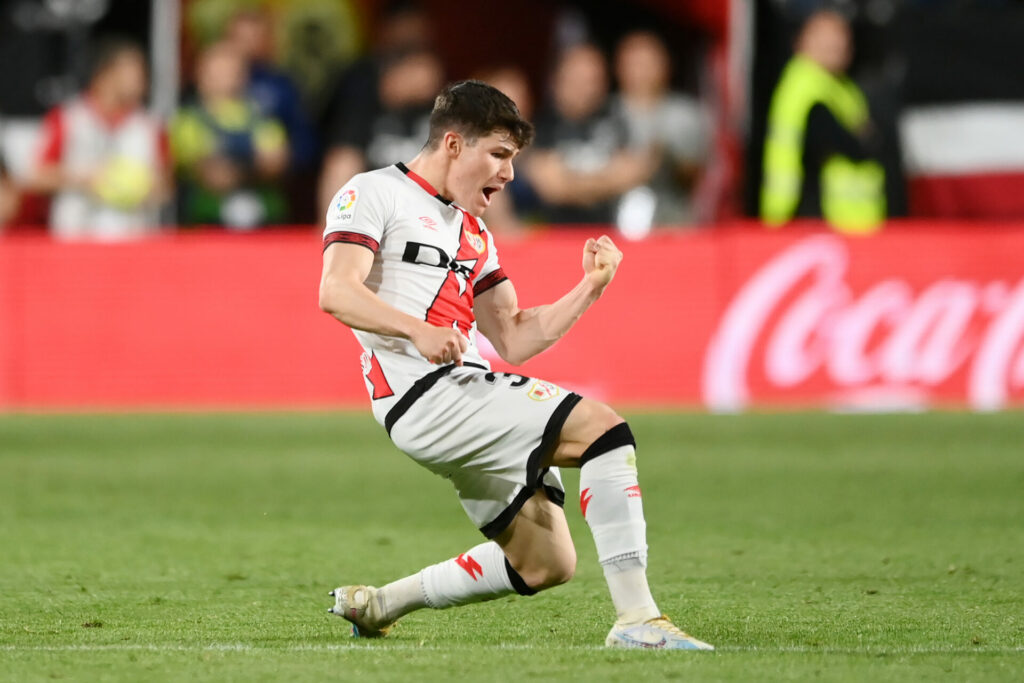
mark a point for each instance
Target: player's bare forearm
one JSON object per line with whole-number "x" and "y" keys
{"x": 536, "y": 329}
{"x": 520, "y": 334}
{"x": 356, "y": 306}
{"x": 344, "y": 295}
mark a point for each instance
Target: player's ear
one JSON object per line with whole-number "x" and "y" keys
{"x": 453, "y": 143}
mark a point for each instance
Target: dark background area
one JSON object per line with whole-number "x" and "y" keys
{"x": 917, "y": 54}
{"x": 43, "y": 56}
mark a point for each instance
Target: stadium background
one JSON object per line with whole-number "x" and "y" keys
{"x": 926, "y": 312}
{"x": 179, "y": 489}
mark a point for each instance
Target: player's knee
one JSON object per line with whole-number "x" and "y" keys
{"x": 552, "y": 571}
{"x": 616, "y": 439}
{"x": 564, "y": 568}
{"x": 598, "y": 419}
{"x": 605, "y": 419}
{"x": 558, "y": 571}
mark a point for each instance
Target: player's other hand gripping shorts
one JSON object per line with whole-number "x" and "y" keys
{"x": 488, "y": 432}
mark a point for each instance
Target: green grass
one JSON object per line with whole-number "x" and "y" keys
{"x": 152, "y": 547}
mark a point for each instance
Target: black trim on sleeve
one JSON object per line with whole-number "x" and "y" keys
{"x": 517, "y": 581}
{"x": 351, "y": 238}
{"x": 488, "y": 281}
{"x": 534, "y": 474}
{"x": 418, "y": 388}
{"x": 619, "y": 435}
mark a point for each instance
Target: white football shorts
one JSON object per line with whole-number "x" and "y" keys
{"x": 488, "y": 432}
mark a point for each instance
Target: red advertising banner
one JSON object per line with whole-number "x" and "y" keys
{"x": 729, "y": 318}
{"x": 906, "y": 319}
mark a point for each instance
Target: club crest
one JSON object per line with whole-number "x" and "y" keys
{"x": 475, "y": 241}
{"x": 542, "y": 391}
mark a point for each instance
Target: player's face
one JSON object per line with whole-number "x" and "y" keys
{"x": 480, "y": 170}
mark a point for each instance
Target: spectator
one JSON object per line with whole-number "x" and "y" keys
{"x": 820, "y": 146}
{"x": 390, "y": 128}
{"x": 356, "y": 100}
{"x": 518, "y": 197}
{"x": 276, "y": 95}
{"x": 673, "y": 126}
{"x": 581, "y": 163}
{"x": 9, "y": 199}
{"x": 512, "y": 81}
{"x": 270, "y": 88}
{"x": 8, "y": 196}
{"x": 103, "y": 158}
{"x": 230, "y": 158}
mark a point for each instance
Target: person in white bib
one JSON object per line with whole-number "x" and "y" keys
{"x": 103, "y": 157}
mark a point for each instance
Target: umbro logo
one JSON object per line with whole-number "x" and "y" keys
{"x": 428, "y": 223}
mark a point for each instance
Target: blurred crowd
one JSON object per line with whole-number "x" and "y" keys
{"x": 614, "y": 143}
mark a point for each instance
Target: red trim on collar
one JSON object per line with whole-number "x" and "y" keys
{"x": 419, "y": 180}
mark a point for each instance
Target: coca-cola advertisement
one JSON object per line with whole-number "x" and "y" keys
{"x": 901, "y": 322}
{"x": 917, "y": 316}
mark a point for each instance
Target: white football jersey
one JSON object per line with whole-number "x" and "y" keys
{"x": 431, "y": 258}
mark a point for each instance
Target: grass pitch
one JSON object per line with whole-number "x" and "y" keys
{"x": 803, "y": 546}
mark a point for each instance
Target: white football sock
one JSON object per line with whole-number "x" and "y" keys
{"x": 481, "y": 573}
{"x": 398, "y": 598}
{"x": 611, "y": 503}
{"x": 630, "y": 593}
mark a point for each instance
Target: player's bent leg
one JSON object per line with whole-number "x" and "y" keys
{"x": 538, "y": 544}
{"x": 599, "y": 442}
{"x": 481, "y": 573}
{"x": 588, "y": 422}
{"x": 533, "y": 553}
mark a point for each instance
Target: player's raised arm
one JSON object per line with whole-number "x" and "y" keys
{"x": 344, "y": 295}
{"x": 517, "y": 334}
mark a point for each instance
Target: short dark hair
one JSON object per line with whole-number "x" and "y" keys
{"x": 108, "y": 50}
{"x": 475, "y": 109}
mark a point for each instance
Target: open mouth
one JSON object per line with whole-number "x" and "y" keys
{"x": 489, "y": 192}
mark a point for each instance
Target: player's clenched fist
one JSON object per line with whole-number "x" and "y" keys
{"x": 601, "y": 259}
{"x": 440, "y": 345}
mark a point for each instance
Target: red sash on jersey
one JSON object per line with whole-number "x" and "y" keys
{"x": 453, "y": 304}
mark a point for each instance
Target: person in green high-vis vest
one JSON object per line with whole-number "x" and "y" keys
{"x": 818, "y": 160}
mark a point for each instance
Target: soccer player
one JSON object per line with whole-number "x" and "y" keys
{"x": 411, "y": 268}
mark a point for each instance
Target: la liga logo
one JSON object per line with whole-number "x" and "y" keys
{"x": 347, "y": 200}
